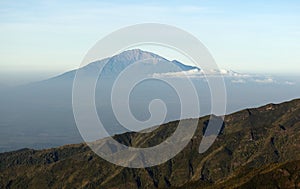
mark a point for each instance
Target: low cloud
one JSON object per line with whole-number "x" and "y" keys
{"x": 190, "y": 73}
{"x": 265, "y": 80}
{"x": 234, "y": 77}
{"x": 289, "y": 83}
{"x": 238, "y": 81}
{"x": 195, "y": 73}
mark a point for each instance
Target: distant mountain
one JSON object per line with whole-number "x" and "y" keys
{"x": 148, "y": 63}
{"x": 40, "y": 114}
{"x": 257, "y": 148}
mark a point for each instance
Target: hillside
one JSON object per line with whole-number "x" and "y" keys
{"x": 258, "y": 148}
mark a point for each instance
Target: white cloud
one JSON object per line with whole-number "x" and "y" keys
{"x": 195, "y": 73}
{"x": 289, "y": 83}
{"x": 238, "y": 81}
{"x": 265, "y": 80}
{"x": 233, "y": 76}
{"x": 191, "y": 73}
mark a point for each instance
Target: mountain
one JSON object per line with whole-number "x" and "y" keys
{"x": 148, "y": 62}
{"x": 257, "y": 148}
{"x": 40, "y": 113}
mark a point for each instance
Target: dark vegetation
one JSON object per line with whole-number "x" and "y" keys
{"x": 257, "y": 148}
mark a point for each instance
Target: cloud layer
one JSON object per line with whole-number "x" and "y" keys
{"x": 234, "y": 77}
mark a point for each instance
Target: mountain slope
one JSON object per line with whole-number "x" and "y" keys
{"x": 256, "y": 148}
{"x": 150, "y": 62}
{"x": 274, "y": 175}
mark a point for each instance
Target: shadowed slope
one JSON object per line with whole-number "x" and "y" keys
{"x": 257, "y": 148}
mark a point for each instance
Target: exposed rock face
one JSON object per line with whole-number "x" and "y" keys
{"x": 258, "y": 148}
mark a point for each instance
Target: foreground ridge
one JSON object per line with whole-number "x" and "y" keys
{"x": 257, "y": 148}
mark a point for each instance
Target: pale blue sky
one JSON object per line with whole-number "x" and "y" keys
{"x": 53, "y": 36}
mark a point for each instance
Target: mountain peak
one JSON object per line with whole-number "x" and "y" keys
{"x": 149, "y": 63}
{"x": 136, "y": 54}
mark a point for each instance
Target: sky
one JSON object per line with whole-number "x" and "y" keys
{"x": 39, "y": 39}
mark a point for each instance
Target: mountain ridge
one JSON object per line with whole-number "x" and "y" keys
{"x": 257, "y": 141}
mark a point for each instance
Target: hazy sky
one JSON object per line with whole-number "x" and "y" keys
{"x": 53, "y": 36}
